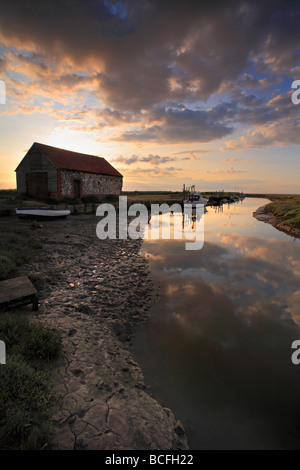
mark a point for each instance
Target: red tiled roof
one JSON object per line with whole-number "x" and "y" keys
{"x": 65, "y": 159}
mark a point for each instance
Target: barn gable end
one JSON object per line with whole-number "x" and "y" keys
{"x": 36, "y": 164}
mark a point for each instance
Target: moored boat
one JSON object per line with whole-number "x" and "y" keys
{"x": 195, "y": 198}
{"x": 41, "y": 213}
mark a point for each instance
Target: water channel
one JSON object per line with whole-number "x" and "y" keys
{"x": 217, "y": 346}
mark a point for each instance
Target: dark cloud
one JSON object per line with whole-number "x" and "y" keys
{"x": 152, "y": 159}
{"x": 157, "y": 159}
{"x": 274, "y": 122}
{"x": 125, "y": 160}
{"x": 153, "y": 66}
{"x": 114, "y": 117}
{"x": 147, "y": 52}
{"x": 255, "y": 111}
{"x": 184, "y": 125}
{"x": 250, "y": 82}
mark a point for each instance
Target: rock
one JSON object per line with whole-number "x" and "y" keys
{"x": 179, "y": 428}
{"x": 72, "y": 332}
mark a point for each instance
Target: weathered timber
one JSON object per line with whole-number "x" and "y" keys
{"x": 18, "y": 290}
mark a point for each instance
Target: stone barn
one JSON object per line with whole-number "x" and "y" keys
{"x": 49, "y": 172}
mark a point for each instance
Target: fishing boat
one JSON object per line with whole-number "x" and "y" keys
{"x": 41, "y": 213}
{"x": 195, "y": 198}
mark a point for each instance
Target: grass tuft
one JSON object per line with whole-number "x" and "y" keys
{"x": 26, "y": 396}
{"x": 26, "y": 391}
{"x": 288, "y": 208}
{"x": 17, "y": 247}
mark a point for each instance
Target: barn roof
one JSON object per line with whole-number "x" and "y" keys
{"x": 68, "y": 160}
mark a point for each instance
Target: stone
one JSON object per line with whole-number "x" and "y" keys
{"x": 179, "y": 428}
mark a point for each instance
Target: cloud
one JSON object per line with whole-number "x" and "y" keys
{"x": 281, "y": 133}
{"x": 275, "y": 122}
{"x": 152, "y": 159}
{"x": 248, "y": 82}
{"x": 151, "y": 172}
{"x": 230, "y": 160}
{"x": 113, "y": 117}
{"x": 192, "y": 50}
{"x": 139, "y": 71}
{"x": 191, "y": 154}
{"x": 125, "y": 160}
{"x": 24, "y": 110}
{"x": 230, "y": 171}
{"x": 157, "y": 159}
{"x": 180, "y": 125}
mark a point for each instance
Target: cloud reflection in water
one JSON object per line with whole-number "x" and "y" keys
{"x": 219, "y": 340}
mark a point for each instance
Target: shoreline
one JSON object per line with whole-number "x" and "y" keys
{"x": 94, "y": 293}
{"x": 275, "y": 221}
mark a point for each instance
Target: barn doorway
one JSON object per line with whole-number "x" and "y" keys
{"x": 76, "y": 188}
{"x": 37, "y": 185}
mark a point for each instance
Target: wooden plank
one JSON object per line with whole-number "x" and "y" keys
{"x": 18, "y": 289}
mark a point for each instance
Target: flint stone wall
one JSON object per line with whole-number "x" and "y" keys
{"x": 90, "y": 184}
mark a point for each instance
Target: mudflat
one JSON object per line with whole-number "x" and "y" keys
{"x": 94, "y": 292}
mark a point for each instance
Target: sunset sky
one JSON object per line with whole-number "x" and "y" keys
{"x": 170, "y": 92}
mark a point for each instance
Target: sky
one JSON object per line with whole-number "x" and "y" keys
{"x": 169, "y": 92}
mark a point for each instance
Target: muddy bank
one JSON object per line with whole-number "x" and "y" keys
{"x": 94, "y": 292}
{"x": 275, "y": 221}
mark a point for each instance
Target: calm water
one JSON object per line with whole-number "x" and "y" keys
{"x": 217, "y": 347}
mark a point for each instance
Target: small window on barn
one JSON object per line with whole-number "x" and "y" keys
{"x": 36, "y": 161}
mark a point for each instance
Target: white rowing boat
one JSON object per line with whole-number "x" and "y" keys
{"x": 41, "y": 213}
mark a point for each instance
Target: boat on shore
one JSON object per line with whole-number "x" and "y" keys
{"x": 195, "y": 198}
{"x": 41, "y": 213}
